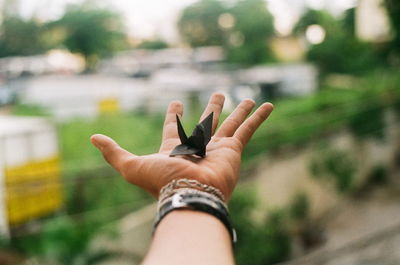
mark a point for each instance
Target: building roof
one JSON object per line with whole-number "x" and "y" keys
{"x": 11, "y": 125}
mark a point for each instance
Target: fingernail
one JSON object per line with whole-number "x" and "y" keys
{"x": 269, "y": 104}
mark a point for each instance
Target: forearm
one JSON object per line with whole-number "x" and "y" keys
{"x": 190, "y": 237}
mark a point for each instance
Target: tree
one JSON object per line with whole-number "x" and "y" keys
{"x": 340, "y": 51}
{"x": 20, "y": 37}
{"x": 153, "y": 45}
{"x": 253, "y": 26}
{"x": 94, "y": 33}
{"x": 393, "y": 8}
{"x": 244, "y": 37}
{"x": 318, "y": 17}
{"x": 349, "y": 21}
{"x": 198, "y": 24}
{"x": 260, "y": 243}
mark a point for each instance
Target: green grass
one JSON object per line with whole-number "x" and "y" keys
{"x": 297, "y": 121}
{"x": 28, "y": 110}
{"x": 138, "y": 134}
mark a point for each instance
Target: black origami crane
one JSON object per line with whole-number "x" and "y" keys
{"x": 196, "y": 143}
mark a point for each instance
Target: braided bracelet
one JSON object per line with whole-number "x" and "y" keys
{"x": 171, "y": 188}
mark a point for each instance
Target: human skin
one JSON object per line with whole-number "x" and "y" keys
{"x": 187, "y": 234}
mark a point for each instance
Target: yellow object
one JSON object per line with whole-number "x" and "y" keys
{"x": 33, "y": 190}
{"x": 109, "y": 106}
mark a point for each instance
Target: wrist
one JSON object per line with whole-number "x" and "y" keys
{"x": 187, "y": 235}
{"x": 195, "y": 200}
{"x": 171, "y": 188}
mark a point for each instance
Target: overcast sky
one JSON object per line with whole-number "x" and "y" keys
{"x": 150, "y": 18}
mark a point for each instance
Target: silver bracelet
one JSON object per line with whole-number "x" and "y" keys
{"x": 190, "y": 191}
{"x": 171, "y": 188}
{"x": 195, "y": 200}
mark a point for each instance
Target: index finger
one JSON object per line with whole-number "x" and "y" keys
{"x": 247, "y": 129}
{"x": 215, "y": 104}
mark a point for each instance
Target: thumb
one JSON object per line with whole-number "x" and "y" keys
{"x": 112, "y": 152}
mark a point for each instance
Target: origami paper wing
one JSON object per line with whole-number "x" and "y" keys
{"x": 197, "y": 142}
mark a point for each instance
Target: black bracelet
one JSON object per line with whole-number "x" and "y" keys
{"x": 198, "y": 201}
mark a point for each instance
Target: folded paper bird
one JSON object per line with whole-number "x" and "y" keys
{"x": 197, "y": 142}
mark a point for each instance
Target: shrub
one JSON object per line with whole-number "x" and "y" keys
{"x": 369, "y": 121}
{"x": 262, "y": 243}
{"x": 336, "y": 166}
{"x": 378, "y": 175}
{"x": 299, "y": 207}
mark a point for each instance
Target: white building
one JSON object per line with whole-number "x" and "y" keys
{"x": 30, "y": 184}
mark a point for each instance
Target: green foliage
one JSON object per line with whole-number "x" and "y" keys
{"x": 367, "y": 120}
{"x": 349, "y": 21}
{"x": 277, "y": 247}
{"x": 318, "y": 17}
{"x": 255, "y": 26}
{"x": 28, "y": 110}
{"x": 299, "y": 207}
{"x": 262, "y": 243}
{"x": 245, "y": 42}
{"x": 20, "y": 37}
{"x": 393, "y": 9}
{"x": 118, "y": 197}
{"x": 394, "y": 95}
{"x": 378, "y": 175}
{"x": 153, "y": 45}
{"x": 136, "y": 133}
{"x": 198, "y": 24}
{"x": 340, "y": 51}
{"x": 337, "y": 166}
{"x": 397, "y": 159}
{"x": 382, "y": 92}
{"x": 298, "y": 121}
{"x": 63, "y": 240}
{"x": 342, "y": 54}
{"x": 94, "y": 33}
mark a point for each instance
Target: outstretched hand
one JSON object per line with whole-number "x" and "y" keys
{"x": 219, "y": 168}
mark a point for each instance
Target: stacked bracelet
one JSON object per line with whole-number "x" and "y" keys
{"x": 169, "y": 189}
{"x": 193, "y": 199}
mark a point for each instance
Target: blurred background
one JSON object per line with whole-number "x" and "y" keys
{"x": 320, "y": 179}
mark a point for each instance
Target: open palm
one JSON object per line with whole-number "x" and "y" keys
{"x": 219, "y": 168}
